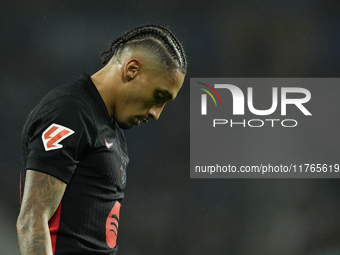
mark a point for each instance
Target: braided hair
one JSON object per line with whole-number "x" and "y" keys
{"x": 161, "y": 43}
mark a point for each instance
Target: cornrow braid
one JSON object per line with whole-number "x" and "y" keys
{"x": 159, "y": 40}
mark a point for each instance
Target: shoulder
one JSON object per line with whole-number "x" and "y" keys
{"x": 67, "y": 99}
{"x": 69, "y": 95}
{"x": 67, "y": 105}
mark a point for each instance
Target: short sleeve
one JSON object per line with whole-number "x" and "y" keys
{"x": 57, "y": 134}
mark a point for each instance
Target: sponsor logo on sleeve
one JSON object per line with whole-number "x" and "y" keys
{"x": 53, "y": 135}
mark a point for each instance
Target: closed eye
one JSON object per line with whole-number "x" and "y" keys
{"x": 163, "y": 96}
{"x": 158, "y": 97}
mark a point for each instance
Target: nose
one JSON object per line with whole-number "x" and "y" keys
{"x": 154, "y": 112}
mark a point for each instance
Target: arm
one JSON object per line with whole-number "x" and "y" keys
{"x": 42, "y": 196}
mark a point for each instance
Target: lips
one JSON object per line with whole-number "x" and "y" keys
{"x": 137, "y": 122}
{"x": 139, "y": 119}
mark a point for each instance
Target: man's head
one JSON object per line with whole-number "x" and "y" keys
{"x": 149, "y": 64}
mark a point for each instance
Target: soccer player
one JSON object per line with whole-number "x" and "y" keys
{"x": 74, "y": 150}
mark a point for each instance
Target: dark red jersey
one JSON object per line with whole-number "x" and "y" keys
{"x": 71, "y": 136}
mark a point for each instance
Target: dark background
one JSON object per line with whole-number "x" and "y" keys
{"x": 49, "y": 43}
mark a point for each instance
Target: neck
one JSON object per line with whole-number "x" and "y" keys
{"x": 105, "y": 81}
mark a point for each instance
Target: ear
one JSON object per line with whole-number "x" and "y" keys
{"x": 131, "y": 69}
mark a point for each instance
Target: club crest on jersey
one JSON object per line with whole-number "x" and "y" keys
{"x": 123, "y": 171}
{"x": 55, "y": 134}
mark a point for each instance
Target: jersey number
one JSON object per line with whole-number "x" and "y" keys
{"x": 112, "y": 225}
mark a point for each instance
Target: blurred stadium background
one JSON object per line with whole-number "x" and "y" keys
{"x": 49, "y": 43}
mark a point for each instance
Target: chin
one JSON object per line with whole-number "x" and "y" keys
{"x": 124, "y": 125}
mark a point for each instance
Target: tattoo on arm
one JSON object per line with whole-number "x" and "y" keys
{"x": 42, "y": 196}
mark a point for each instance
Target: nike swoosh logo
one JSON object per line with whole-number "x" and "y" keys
{"x": 108, "y": 145}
